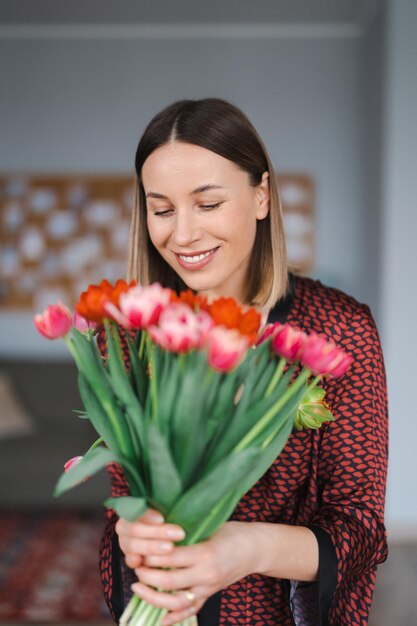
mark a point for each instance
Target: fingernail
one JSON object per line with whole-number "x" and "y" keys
{"x": 165, "y": 546}
{"x": 157, "y": 518}
{"x": 176, "y": 533}
{"x": 137, "y": 588}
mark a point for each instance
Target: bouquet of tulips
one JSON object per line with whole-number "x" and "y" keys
{"x": 195, "y": 408}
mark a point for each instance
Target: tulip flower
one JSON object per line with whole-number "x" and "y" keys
{"x": 71, "y": 462}
{"x": 83, "y": 325}
{"x": 180, "y": 329}
{"x": 268, "y": 332}
{"x": 288, "y": 342}
{"x": 227, "y": 312}
{"x": 92, "y": 301}
{"x": 54, "y": 322}
{"x": 225, "y": 348}
{"x": 323, "y": 357}
{"x": 141, "y": 307}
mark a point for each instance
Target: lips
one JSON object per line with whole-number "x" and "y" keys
{"x": 195, "y": 260}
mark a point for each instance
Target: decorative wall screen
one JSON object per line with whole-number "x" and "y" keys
{"x": 60, "y": 233}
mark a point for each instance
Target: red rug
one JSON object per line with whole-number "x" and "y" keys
{"x": 49, "y": 568}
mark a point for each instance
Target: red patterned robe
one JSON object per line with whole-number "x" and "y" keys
{"x": 331, "y": 480}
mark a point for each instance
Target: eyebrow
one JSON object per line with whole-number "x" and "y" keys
{"x": 154, "y": 194}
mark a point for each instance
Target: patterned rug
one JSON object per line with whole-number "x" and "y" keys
{"x": 49, "y": 568}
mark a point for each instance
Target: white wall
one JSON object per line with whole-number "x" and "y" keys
{"x": 72, "y": 105}
{"x": 399, "y": 260}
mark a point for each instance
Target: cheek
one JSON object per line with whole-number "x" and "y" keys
{"x": 158, "y": 231}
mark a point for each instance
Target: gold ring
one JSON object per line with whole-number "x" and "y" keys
{"x": 190, "y": 595}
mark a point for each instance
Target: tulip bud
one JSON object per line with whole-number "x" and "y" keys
{"x": 313, "y": 410}
{"x": 324, "y": 357}
{"x": 288, "y": 342}
{"x": 54, "y": 322}
{"x": 225, "y": 348}
{"x": 82, "y": 324}
{"x": 71, "y": 462}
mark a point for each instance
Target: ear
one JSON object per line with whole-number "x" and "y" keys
{"x": 262, "y": 197}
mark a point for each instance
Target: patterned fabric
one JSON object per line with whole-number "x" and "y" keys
{"x": 331, "y": 480}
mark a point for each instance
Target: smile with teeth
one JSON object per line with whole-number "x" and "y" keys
{"x": 197, "y": 258}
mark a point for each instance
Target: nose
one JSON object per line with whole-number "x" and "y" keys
{"x": 186, "y": 229}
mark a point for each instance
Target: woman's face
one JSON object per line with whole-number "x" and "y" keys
{"x": 201, "y": 216}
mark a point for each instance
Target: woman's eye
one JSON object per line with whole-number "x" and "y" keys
{"x": 210, "y": 206}
{"x": 163, "y": 213}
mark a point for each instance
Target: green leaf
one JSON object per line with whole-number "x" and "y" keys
{"x": 166, "y": 482}
{"x": 189, "y": 422}
{"x": 199, "y": 500}
{"x": 97, "y": 413}
{"x": 90, "y": 464}
{"x": 90, "y": 364}
{"x": 169, "y": 383}
{"x": 138, "y": 370}
{"x": 122, "y": 387}
{"x": 127, "y": 507}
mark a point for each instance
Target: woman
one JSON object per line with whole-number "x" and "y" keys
{"x": 303, "y": 544}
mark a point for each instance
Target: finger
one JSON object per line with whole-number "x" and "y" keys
{"x": 149, "y": 530}
{"x": 171, "y": 601}
{"x": 168, "y": 579}
{"x": 134, "y": 560}
{"x": 151, "y": 516}
{"x": 180, "y": 556}
{"x": 144, "y": 547}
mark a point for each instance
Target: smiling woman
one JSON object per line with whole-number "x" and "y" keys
{"x": 211, "y": 227}
{"x": 205, "y": 185}
{"x": 303, "y": 544}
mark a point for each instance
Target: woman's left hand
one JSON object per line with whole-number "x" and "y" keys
{"x": 204, "y": 568}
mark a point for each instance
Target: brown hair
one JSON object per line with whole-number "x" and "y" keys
{"x": 221, "y": 127}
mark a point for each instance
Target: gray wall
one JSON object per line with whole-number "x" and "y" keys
{"x": 81, "y": 105}
{"x": 399, "y": 259}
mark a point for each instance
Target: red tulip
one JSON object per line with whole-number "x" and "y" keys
{"x": 54, "y": 322}
{"x": 225, "y": 348}
{"x": 324, "y": 357}
{"x": 288, "y": 342}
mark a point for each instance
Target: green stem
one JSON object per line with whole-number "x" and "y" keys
{"x": 254, "y": 432}
{"x": 154, "y": 386}
{"x": 191, "y": 539}
{"x": 95, "y": 444}
{"x": 276, "y": 377}
{"x": 142, "y": 344}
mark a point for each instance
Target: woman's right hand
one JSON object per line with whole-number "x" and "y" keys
{"x": 148, "y": 535}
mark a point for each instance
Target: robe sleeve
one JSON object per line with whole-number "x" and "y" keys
{"x": 351, "y": 481}
{"x": 116, "y": 576}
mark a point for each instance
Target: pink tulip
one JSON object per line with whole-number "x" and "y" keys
{"x": 267, "y": 332}
{"x": 54, "y": 322}
{"x": 71, "y": 462}
{"x": 324, "y": 357}
{"x": 142, "y": 306}
{"x": 180, "y": 329}
{"x": 225, "y": 348}
{"x": 288, "y": 342}
{"x": 83, "y": 325}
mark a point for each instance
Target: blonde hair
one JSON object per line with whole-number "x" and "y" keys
{"x": 223, "y": 128}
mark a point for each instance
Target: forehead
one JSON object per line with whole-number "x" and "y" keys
{"x": 184, "y": 163}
